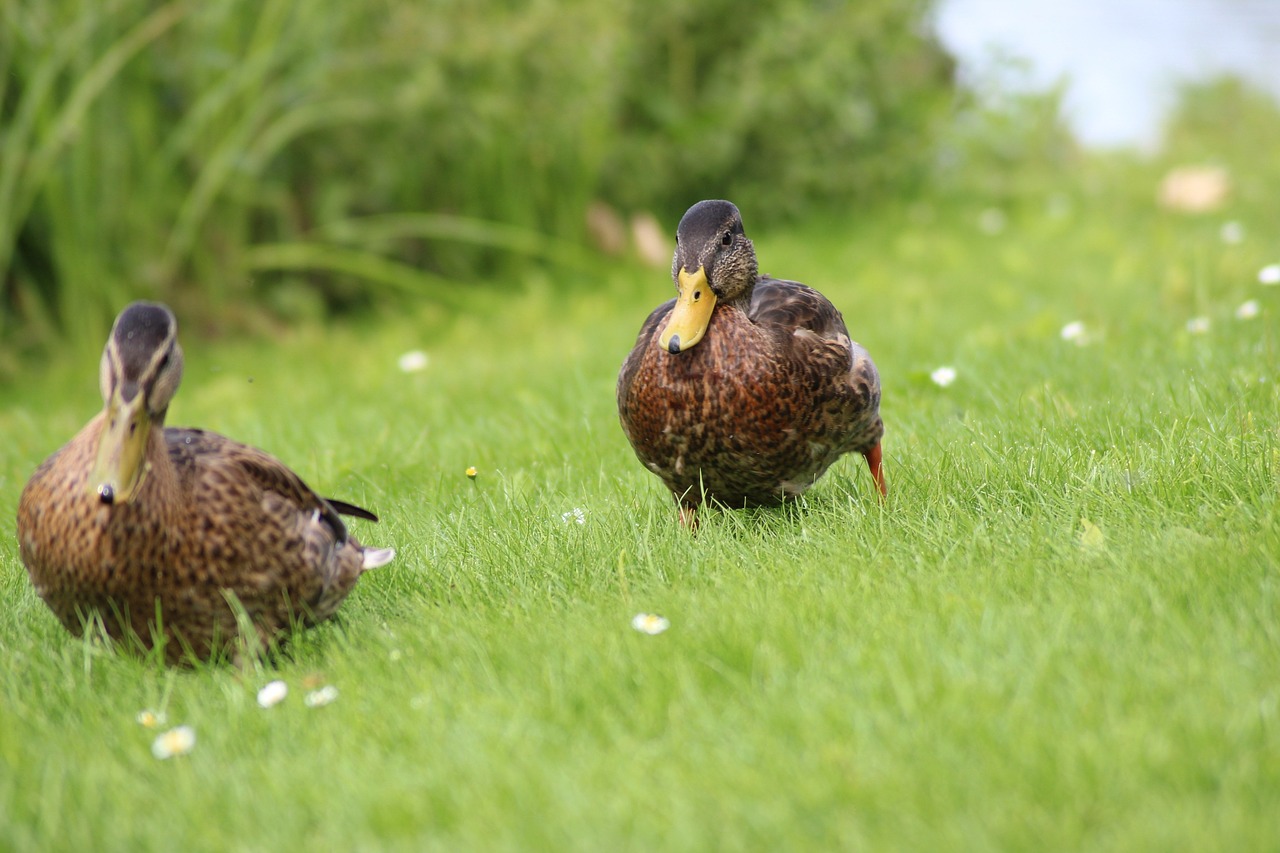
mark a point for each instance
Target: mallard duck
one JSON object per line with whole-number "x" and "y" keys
{"x": 744, "y": 388}
{"x": 183, "y": 534}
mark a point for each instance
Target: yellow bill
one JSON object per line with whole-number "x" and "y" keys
{"x": 122, "y": 449}
{"x": 691, "y": 316}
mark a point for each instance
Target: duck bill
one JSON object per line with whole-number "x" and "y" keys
{"x": 122, "y": 448}
{"x": 692, "y": 314}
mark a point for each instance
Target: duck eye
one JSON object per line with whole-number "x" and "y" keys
{"x": 727, "y": 240}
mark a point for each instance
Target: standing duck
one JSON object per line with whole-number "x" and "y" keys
{"x": 744, "y": 389}
{"x": 179, "y": 534}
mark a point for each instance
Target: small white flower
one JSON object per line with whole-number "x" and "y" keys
{"x": 1075, "y": 332}
{"x": 1232, "y": 232}
{"x": 414, "y": 361}
{"x": 649, "y": 623}
{"x": 1270, "y": 274}
{"x": 149, "y": 719}
{"x": 323, "y": 696}
{"x": 577, "y": 514}
{"x": 1198, "y": 325}
{"x": 1248, "y": 310}
{"x": 943, "y": 376}
{"x": 992, "y": 221}
{"x": 177, "y": 741}
{"x": 273, "y": 693}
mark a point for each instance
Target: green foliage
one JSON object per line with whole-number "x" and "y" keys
{"x": 1059, "y": 633}
{"x": 211, "y": 153}
{"x": 1194, "y": 132}
{"x": 1007, "y": 139}
{"x": 779, "y": 107}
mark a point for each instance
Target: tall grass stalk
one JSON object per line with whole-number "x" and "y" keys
{"x": 160, "y": 150}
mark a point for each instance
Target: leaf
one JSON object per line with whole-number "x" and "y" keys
{"x": 1091, "y": 536}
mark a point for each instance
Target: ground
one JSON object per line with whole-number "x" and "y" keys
{"x": 1060, "y": 631}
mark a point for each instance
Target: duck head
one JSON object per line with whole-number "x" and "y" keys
{"x": 139, "y": 374}
{"x": 714, "y": 262}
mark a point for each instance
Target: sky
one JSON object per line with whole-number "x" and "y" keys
{"x": 1121, "y": 59}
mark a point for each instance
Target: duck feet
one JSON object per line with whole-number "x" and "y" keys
{"x": 873, "y": 462}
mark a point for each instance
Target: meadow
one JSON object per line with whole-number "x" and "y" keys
{"x": 1061, "y": 631}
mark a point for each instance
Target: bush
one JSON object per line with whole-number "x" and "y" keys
{"x": 203, "y": 153}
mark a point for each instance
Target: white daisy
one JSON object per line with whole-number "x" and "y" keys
{"x": 577, "y": 514}
{"x": 177, "y": 741}
{"x": 414, "y": 361}
{"x": 1248, "y": 310}
{"x": 1198, "y": 325}
{"x": 992, "y": 221}
{"x": 273, "y": 693}
{"x": 1231, "y": 232}
{"x": 1270, "y": 274}
{"x": 1075, "y": 332}
{"x": 323, "y": 696}
{"x": 649, "y": 623}
{"x": 149, "y": 719}
{"x": 943, "y": 376}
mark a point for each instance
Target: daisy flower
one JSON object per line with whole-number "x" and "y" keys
{"x": 149, "y": 719}
{"x": 1198, "y": 325}
{"x": 992, "y": 221}
{"x": 1075, "y": 332}
{"x": 1270, "y": 274}
{"x": 943, "y": 376}
{"x": 414, "y": 361}
{"x": 1248, "y": 310}
{"x": 272, "y": 694}
{"x": 577, "y": 514}
{"x": 321, "y": 697}
{"x": 177, "y": 741}
{"x": 649, "y": 623}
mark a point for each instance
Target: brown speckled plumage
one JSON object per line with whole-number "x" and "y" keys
{"x": 773, "y": 393}
{"x": 212, "y": 527}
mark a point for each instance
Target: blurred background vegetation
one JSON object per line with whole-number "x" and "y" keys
{"x": 311, "y": 156}
{"x": 295, "y": 159}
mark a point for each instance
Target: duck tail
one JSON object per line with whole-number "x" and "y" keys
{"x": 375, "y": 557}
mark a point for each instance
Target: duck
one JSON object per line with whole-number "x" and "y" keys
{"x": 179, "y": 537}
{"x": 744, "y": 389}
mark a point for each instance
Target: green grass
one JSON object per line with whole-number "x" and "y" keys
{"x": 1062, "y": 631}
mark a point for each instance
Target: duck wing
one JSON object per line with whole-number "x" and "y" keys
{"x": 790, "y": 305}
{"x": 191, "y": 449}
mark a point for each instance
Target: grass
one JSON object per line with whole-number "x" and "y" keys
{"x": 1060, "y": 632}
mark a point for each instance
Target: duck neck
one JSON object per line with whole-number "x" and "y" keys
{"x": 742, "y": 299}
{"x": 159, "y": 492}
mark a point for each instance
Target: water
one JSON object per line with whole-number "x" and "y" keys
{"x": 1122, "y": 59}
